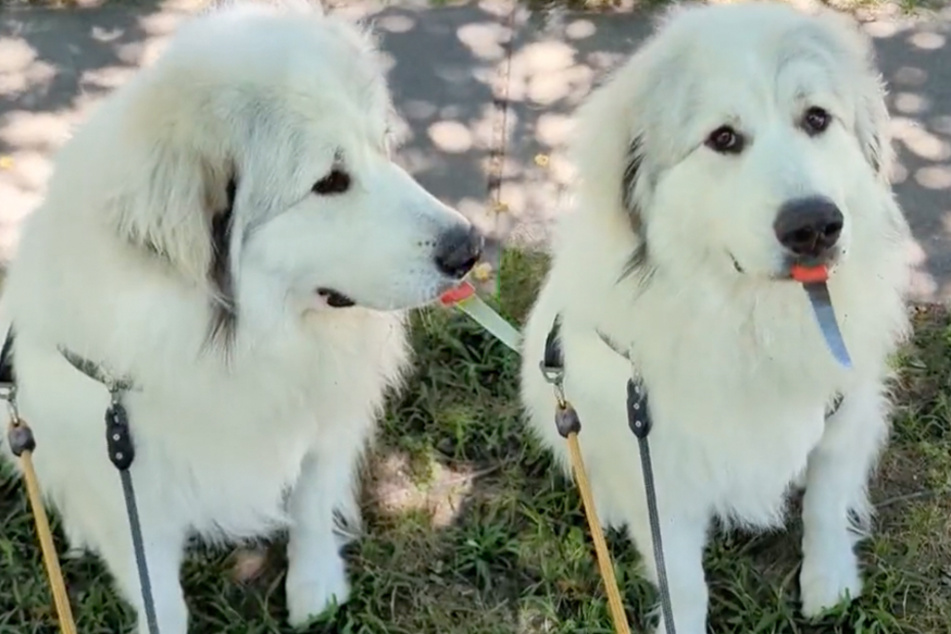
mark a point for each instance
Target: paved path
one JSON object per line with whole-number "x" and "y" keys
{"x": 485, "y": 88}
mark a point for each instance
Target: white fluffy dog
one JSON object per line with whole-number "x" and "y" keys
{"x": 737, "y": 141}
{"x": 228, "y": 231}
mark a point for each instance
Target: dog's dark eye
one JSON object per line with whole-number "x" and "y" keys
{"x": 725, "y": 140}
{"x": 336, "y": 182}
{"x": 816, "y": 120}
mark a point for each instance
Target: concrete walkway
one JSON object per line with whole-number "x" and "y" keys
{"x": 485, "y": 89}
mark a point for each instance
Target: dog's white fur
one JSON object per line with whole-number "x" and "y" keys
{"x": 737, "y": 371}
{"x": 261, "y": 425}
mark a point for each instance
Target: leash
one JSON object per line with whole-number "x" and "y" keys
{"x": 22, "y": 445}
{"x": 121, "y": 453}
{"x": 640, "y": 422}
{"x": 568, "y": 424}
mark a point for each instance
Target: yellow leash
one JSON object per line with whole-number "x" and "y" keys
{"x": 605, "y": 564}
{"x": 22, "y": 444}
{"x": 465, "y": 299}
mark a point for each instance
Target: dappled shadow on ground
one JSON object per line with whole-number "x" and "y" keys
{"x": 915, "y": 57}
{"x": 54, "y": 67}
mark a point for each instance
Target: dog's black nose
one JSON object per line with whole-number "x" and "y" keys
{"x": 808, "y": 226}
{"x": 458, "y": 250}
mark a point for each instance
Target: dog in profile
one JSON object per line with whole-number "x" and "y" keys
{"x": 738, "y": 141}
{"x": 228, "y": 231}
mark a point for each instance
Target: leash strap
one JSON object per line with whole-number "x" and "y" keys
{"x": 569, "y": 426}
{"x": 639, "y": 420}
{"x": 22, "y": 445}
{"x": 121, "y": 454}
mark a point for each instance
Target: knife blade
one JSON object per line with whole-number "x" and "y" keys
{"x": 821, "y": 301}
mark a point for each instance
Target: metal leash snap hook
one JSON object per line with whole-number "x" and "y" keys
{"x": 8, "y": 393}
{"x": 555, "y": 376}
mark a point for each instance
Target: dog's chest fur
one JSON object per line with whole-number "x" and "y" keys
{"x": 220, "y": 448}
{"x": 738, "y": 385}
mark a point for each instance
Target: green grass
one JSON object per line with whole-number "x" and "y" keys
{"x": 470, "y": 531}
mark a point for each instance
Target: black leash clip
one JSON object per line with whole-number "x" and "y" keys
{"x": 118, "y": 437}
{"x": 638, "y": 414}
{"x": 19, "y": 434}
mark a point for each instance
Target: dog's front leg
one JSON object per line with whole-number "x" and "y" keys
{"x": 836, "y": 487}
{"x": 684, "y": 537}
{"x": 164, "y": 546}
{"x": 316, "y": 575}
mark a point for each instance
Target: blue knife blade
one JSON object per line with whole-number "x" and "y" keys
{"x": 821, "y": 301}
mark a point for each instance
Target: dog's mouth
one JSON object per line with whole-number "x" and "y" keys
{"x": 335, "y": 299}
{"x": 812, "y": 274}
{"x": 828, "y": 261}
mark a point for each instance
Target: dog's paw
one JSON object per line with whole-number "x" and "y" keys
{"x": 825, "y": 584}
{"x": 313, "y": 593}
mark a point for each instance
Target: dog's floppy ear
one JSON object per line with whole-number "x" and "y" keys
{"x": 629, "y": 185}
{"x": 632, "y": 170}
{"x": 871, "y": 116}
{"x": 871, "y": 121}
{"x": 871, "y": 112}
{"x": 611, "y": 164}
{"x": 224, "y": 316}
{"x": 168, "y": 204}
